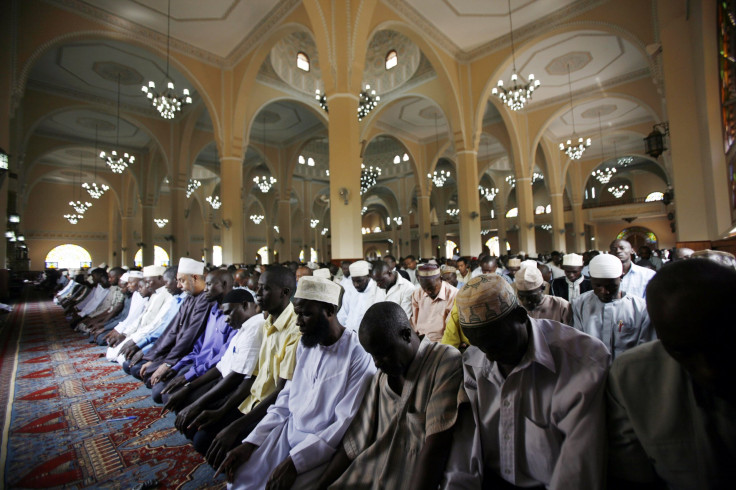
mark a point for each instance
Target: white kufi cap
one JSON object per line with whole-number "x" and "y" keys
{"x": 135, "y": 275}
{"x": 359, "y": 268}
{"x": 319, "y": 289}
{"x": 124, "y": 277}
{"x": 606, "y": 266}
{"x": 528, "y": 277}
{"x": 153, "y": 271}
{"x": 323, "y": 273}
{"x": 573, "y": 260}
{"x": 190, "y": 266}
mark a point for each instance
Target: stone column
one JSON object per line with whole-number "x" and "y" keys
{"x": 284, "y": 220}
{"x": 344, "y": 135}
{"x": 147, "y": 234}
{"x": 128, "y": 246}
{"x": 525, "y": 204}
{"x": 425, "y": 226}
{"x": 468, "y": 202}
{"x": 207, "y": 245}
{"x": 231, "y": 183}
{"x": 558, "y": 221}
{"x": 114, "y": 257}
{"x": 578, "y": 227}
{"x": 179, "y": 228}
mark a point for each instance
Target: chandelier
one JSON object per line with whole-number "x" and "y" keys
{"x": 276, "y": 228}
{"x": 313, "y": 223}
{"x": 160, "y": 222}
{"x": 453, "y": 212}
{"x": 398, "y": 221}
{"x": 324, "y": 231}
{"x": 117, "y": 163}
{"x": 546, "y": 227}
{"x": 79, "y": 206}
{"x": 618, "y": 190}
{"x": 575, "y": 146}
{"x": 368, "y": 101}
{"x": 256, "y": 218}
{"x": 192, "y": 186}
{"x": 95, "y": 191}
{"x": 363, "y": 210}
{"x": 368, "y": 177}
{"x": 511, "y": 180}
{"x": 536, "y": 177}
{"x": 73, "y": 218}
{"x": 517, "y": 94}
{"x": 214, "y": 201}
{"x": 604, "y": 176}
{"x": 321, "y": 100}
{"x": 167, "y": 103}
{"x": 625, "y": 161}
{"x": 264, "y": 183}
{"x": 439, "y": 178}
{"x": 489, "y": 193}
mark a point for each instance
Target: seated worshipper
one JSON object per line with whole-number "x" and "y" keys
{"x": 512, "y": 267}
{"x": 672, "y": 402}
{"x": 61, "y": 293}
{"x": 410, "y": 267}
{"x": 391, "y": 262}
{"x": 208, "y": 348}
{"x": 324, "y": 273}
{"x": 79, "y": 292}
{"x": 110, "y": 306}
{"x": 400, "y": 435}
{"x": 449, "y": 275}
{"x": 573, "y": 284}
{"x": 212, "y": 390}
{"x": 101, "y": 285}
{"x": 636, "y": 278}
{"x": 536, "y": 391}
{"x": 153, "y": 325}
{"x": 214, "y": 437}
{"x": 398, "y": 290}
{"x": 179, "y": 337}
{"x": 358, "y": 298}
{"x": 154, "y": 297}
{"x": 619, "y": 319}
{"x": 453, "y": 335}
{"x": 130, "y": 288}
{"x": 431, "y": 303}
{"x": 240, "y": 279}
{"x": 463, "y": 271}
{"x": 296, "y": 439}
{"x": 530, "y": 291}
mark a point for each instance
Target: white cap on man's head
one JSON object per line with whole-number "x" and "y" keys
{"x": 319, "y": 289}
{"x": 124, "y": 277}
{"x": 572, "y": 260}
{"x": 359, "y": 268}
{"x": 528, "y": 278}
{"x": 323, "y": 273}
{"x": 606, "y": 266}
{"x": 135, "y": 275}
{"x": 153, "y": 270}
{"x": 190, "y": 266}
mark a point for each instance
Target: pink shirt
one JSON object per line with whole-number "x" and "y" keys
{"x": 429, "y": 314}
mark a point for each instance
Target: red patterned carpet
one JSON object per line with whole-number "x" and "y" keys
{"x": 63, "y": 413}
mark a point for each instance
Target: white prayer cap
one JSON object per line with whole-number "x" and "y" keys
{"x": 135, "y": 275}
{"x": 605, "y": 266}
{"x": 124, "y": 277}
{"x": 153, "y": 270}
{"x": 528, "y": 277}
{"x": 323, "y": 273}
{"x": 319, "y": 289}
{"x": 190, "y": 266}
{"x": 528, "y": 263}
{"x": 359, "y": 268}
{"x": 514, "y": 263}
{"x": 573, "y": 260}
{"x": 312, "y": 265}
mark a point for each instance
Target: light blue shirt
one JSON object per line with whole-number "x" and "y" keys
{"x": 621, "y": 324}
{"x": 634, "y": 283}
{"x": 149, "y": 339}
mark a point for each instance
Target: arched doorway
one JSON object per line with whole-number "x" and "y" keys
{"x": 68, "y": 256}
{"x": 638, "y": 236}
{"x": 160, "y": 257}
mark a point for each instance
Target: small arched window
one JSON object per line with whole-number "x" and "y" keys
{"x": 512, "y": 213}
{"x": 392, "y": 59}
{"x": 302, "y": 61}
{"x": 539, "y": 210}
{"x": 655, "y": 196}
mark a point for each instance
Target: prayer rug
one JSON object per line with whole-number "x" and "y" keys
{"x": 72, "y": 419}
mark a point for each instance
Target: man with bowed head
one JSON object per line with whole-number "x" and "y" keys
{"x": 530, "y": 291}
{"x": 431, "y": 302}
{"x": 574, "y": 283}
{"x": 290, "y": 447}
{"x": 536, "y": 391}
{"x": 358, "y": 298}
{"x": 618, "y": 319}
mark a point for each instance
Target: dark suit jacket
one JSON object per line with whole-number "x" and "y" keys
{"x": 558, "y": 287}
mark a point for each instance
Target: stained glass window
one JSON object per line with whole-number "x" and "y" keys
{"x": 68, "y": 256}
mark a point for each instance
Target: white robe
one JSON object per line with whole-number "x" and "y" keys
{"x": 158, "y": 305}
{"x": 355, "y": 304}
{"x": 311, "y": 414}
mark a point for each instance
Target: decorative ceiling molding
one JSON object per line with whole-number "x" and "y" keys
{"x": 56, "y": 235}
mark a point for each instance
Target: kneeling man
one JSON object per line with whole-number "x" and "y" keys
{"x": 302, "y": 430}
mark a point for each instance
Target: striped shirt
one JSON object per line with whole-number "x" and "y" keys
{"x": 390, "y": 427}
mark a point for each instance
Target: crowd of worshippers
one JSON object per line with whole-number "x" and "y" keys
{"x": 583, "y": 372}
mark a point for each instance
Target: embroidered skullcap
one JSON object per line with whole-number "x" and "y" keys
{"x": 484, "y": 299}
{"x": 448, "y": 269}
{"x": 573, "y": 260}
{"x": 238, "y": 296}
{"x": 605, "y": 266}
{"x": 528, "y": 277}
{"x": 319, "y": 289}
{"x": 428, "y": 270}
{"x": 514, "y": 263}
{"x": 190, "y": 266}
{"x": 323, "y": 273}
{"x": 153, "y": 270}
{"x": 124, "y": 277}
{"x": 359, "y": 268}
{"x": 135, "y": 275}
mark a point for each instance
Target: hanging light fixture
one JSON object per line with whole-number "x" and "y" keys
{"x": 192, "y": 186}
{"x": 313, "y": 223}
{"x": 618, "y": 190}
{"x": 79, "y": 206}
{"x": 214, "y": 201}
{"x": 256, "y": 218}
{"x": 368, "y": 177}
{"x": 160, "y": 222}
{"x": 167, "y": 103}
{"x": 368, "y": 101}
{"x": 321, "y": 100}
{"x": 453, "y": 212}
{"x": 604, "y": 175}
{"x": 439, "y": 178}
{"x": 575, "y": 146}
{"x": 621, "y": 161}
{"x": 517, "y": 94}
{"x": 489, "y": 193}
{"x": 117, "y": 163}
{"x": 95, "y": 191}
{"x": 511, "y": 180}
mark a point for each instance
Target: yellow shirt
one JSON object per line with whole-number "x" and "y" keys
{"x": 277, "y": 357}
{"x": 453, "y": 335}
